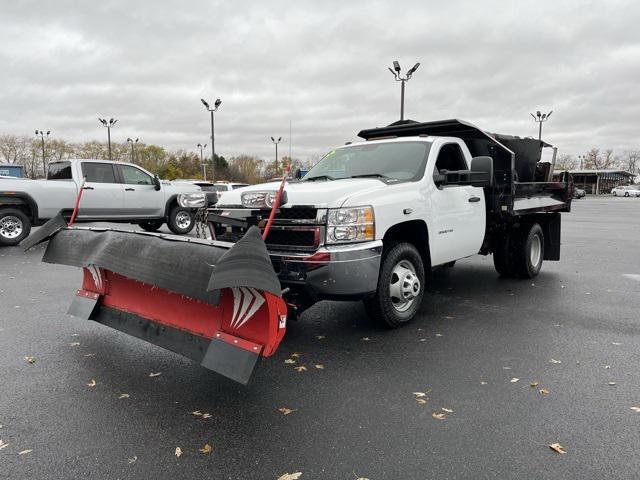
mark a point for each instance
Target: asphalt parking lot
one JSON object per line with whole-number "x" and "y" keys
{"x": 476, "y": 348}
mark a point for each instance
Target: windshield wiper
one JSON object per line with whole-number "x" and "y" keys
{"x": 319, "y": 177}
{"x": 371, "y": 175}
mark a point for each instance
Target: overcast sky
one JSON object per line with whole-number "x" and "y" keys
{"x": 322, "y": 65}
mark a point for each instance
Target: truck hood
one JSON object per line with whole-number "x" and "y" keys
{"x": 321, "y": 193}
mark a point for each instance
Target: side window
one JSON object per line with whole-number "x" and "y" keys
{"x": 450, "y": 158}
{"x": 135, "y": 176}
{"x": 98, "y": 172}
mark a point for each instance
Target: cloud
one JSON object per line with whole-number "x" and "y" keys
{"x": 322, "y": 66}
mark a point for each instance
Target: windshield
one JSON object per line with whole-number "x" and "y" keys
{"x": 397, "y": 161}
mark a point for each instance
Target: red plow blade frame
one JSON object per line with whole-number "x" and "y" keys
{"x": 221, "y": 308}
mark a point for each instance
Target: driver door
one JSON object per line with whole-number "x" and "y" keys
{"x": 458, "y": 212}
{"x": 141, "y": 199}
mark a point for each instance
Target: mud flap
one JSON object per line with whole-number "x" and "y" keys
{"x": 231, "y": 360}
{"x": 83, "y": 305}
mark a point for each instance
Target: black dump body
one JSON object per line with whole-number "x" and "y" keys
{"x": 520, "y": 183}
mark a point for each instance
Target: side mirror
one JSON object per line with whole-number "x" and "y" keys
{"x": 156, "y": 182}
{"x": 482, "y": 171}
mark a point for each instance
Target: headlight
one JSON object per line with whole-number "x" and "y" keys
{"x": 258, "y": 199}
{"x": 350, "y": 225}
{"x": 192, "y": 200}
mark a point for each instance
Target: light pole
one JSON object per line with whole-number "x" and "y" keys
{"x": 132, "y": 142}
{"x": 216, "y": 105}
{"x": 540, "y": 118}
{"x": 204, "y": 165}
{"x": 44, "y": 163}
{"x": 396, "y": 73}
{"x": 111, "y": 123}
{"x": 276, "y": 142}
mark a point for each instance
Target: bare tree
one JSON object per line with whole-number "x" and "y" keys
{"x": 631, "y": 161}
{"x": 597, "y": 160}
{"x": 566, "y": 162}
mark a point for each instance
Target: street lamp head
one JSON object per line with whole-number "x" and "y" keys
{"x": 48, "y": 132}
{"x": 538, "y": 113}
{"x": 137, "y": 140}
{"x": 112, "y": 122}
{"x": 199, "y": 146}
{"x": 413, "y": 69}
{"x": 273, "y": 139}
{"x": 280, "y": 138}
{"x": 102, "y": 121}
{"x": 544, "y": 116}
{"x": 396, "y": 66}
{"x": 534, "y": 117}
{"x": 129, "y": 139}
{"x": 218, "y": 103}
{"x": 549, "y": 114}
{"x": 204, "y": 102}
{"x": 36, "y": 132}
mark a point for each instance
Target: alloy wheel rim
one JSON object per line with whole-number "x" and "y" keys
{"x": 536, "y": 250}
{"x": 404, "y": 286}
{"x": 183, "y": 220}
{"x": 11, "y": 227}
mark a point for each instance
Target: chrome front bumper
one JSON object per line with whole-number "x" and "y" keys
{"x": 332, "y": 271}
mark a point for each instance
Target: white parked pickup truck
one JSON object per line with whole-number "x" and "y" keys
{"x": 372, "y": 219}
{"x": 113, "y": 192}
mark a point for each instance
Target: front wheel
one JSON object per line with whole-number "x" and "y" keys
{"x": 14, "y": 226}
{"x": 626, "y": 194}
{"x": 401, "y": 286}
{"x": 181, "y": 220}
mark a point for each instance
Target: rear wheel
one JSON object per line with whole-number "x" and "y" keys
{"x": 14, "y": 226}
{"x": 181, "y": 220}
{"x": 401, "y": 286}
{"x": 151, "y": 225}
{"x": 626, "y": 194}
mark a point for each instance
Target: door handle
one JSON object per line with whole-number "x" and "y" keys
{"x": 129, "y": 189}
{"x": 87, "y": 188}
{"x": 474, "y": 199}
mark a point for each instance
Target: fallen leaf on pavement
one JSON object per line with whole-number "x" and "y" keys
{"x": 612, "y": 383}
{"x": 449, "y": 317}
{"x": 30, "y": 359}
{"x": 438, "y": 334}
{"x": 294, "y": 355}
{"x": 289, "y": 360}
{"x": 88, "y": 354}
{"x": 155, "y": 374}
{"x": 319, "y": 366}
{"x": 286, "y": 411}
{"x": 514, "y": 380}
{"x": 421, "y": 401}
{"x": 616, "y": 343}
{"x": 544, "y": 391}
{"x": 483, "y": 383}
{"x": 197, "y": 413}
{"x": 301, "y": 368}
{"x": 556, "y": 447}
{"x": 206, "y": 449}
{"x": 448, "y": 410}
{"x": 420, "y": 394}
{"x": 320, "y": 337}
{"x": 636, "y": 409}
{"x": 365, "y": 339}
{"x": 92, "y": 383}
{"x": 123, "y": 395}
{"x": 438, "y": 416}
{"x": 74, "y": 344}
{"x": 24, "y": 452}
{"x": 178, "y": 452}
{"x": 553, "y": 360}
{"x": 132, "y": 460}
{"x": 3, "y": 444}
{"x": 290, "y": 476}
{"x": 535, "y": 383}
{"x": 607, "y": 367}
{"x": 206, "y": 415}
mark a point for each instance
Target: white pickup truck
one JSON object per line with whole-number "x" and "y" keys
{"x": 113, "y": 192}
{"x": 372, "y": 219}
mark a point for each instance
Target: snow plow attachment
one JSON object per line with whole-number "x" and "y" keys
{"x": 219, "y": 306}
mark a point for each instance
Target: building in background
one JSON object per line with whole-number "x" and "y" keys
{"x": 11, "y": 170}
{"x": 599, "y": 181}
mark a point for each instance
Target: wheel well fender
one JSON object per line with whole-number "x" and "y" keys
{"x": 22, "y": 201}
{"x": 171, "y": 202}
{"x": 414, "y": 232}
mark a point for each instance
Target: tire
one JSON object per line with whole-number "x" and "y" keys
{"x": 181, "y": 220}
{"x": 615, "y": 194}
{"x": 401, "y": 273}
{"x": 502, "y": 255}
{"x": 528, "y": 251}
{"x": 15, "y": 226}
{"x": 626, "y": 194}
{"x": 151, "y": 225}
